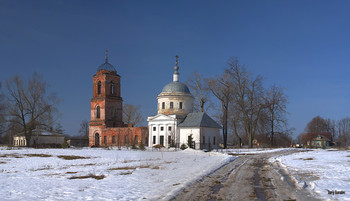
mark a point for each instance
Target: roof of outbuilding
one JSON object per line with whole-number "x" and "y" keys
{"x": 199, "y": 119}
{"x": 41, "y": 132}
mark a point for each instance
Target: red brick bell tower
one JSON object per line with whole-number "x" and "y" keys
{"x": 106, "y": 127}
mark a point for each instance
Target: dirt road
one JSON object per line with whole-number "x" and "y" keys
{"x": 249, "y": 177}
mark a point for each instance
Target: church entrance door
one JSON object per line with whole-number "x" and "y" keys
{"x": 97, "y": 139}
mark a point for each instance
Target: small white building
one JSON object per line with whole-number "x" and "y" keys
{"x": 175, "y": 122}
{"x": 39, "y": 137}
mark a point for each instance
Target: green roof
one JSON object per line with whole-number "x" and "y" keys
{"x": 199, "y": 119}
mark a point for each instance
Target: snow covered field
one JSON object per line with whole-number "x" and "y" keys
{"x": 322, "y": 170}
{"x": 100, "y": 174}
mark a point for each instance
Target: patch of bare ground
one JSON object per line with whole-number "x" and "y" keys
{"x": 97, "y": 177}
{"x": 130, "y": 161}
{"x": 123, "y": 168}
{"x": 134, "y": 167}
{"x": 38, "y": 155}
{"x": 46, "y": 167}
{"x": 10, "y": 156}
{"x": 71, "y": 157}
{"x": 85, "y": 165}
{"x": 242, "y": 154}
{"x": 71, "y": 172}
{"x": 126, "y": 173}
{"x": 2, "y": 162}
{"x": 306, "y": 159}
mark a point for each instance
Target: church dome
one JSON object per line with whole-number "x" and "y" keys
{"x": 175, "y": 87}
{"x": 106, "y": 66}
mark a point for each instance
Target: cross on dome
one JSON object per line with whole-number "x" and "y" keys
{"x": 176, "y": 70}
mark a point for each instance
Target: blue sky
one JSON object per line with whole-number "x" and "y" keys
{"x": 303, "y": 46}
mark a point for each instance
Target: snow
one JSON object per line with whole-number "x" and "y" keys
{"x": 320, "y": 171}
{"x": 142, "y": 175}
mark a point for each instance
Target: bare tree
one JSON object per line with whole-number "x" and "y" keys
{"x": 317, "y": 124}
{"x": 31, "y": 107}
{"x": 248, "y": 94}
{"x": 276, "y": 104}
{"x": 3, "y": 110}
{"x": 221, "y": 89}
{"x": 200, "y": 91}
{"x": 343, "y": 129}
{"x": 84, "y": 128}
{"x": 131, "y": 114}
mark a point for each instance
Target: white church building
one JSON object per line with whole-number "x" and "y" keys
{"x": 176, "y": 122}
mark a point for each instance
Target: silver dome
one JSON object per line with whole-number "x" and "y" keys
{"x": 176, "y": 87}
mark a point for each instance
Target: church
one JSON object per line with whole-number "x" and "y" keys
{"x": 106, "y": 127}
{"x": 176, "y": 123}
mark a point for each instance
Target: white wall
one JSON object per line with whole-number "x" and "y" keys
{"x": 198, "y": 133}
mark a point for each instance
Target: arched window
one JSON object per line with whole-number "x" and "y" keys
{"x": 112, "y": 88}
{"x": 99, "y": 87}
{"x": 98, "y": 112}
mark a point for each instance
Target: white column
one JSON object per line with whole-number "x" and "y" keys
{"x": 150, "y": 134}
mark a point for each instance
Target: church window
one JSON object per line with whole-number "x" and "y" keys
{"x": 163, "y": 105}
{"x": 154, "y": 139}
{"x": 113, "y": 139}
{"x": 214, "y": 141}
{"x": 161, "y": 140}
{"x": 112, "y": 88}
{"x": 105, "y": 139}
{"x": 136, "y": 139}
{"x": 169, "y": 128}
{"x": 180, "y": 106}
{"x": 161, "y": 128}
{"x": 99, "y": 87}
{"x": 171, "y": 105}
{"x": 203, "y": 139}
{"x": 154, "y": 128}
{"x": 98, "y": 112}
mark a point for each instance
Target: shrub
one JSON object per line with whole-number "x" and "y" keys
{"x": 133, "y": 146}
{"x": 183, "y": 147}
{"x": 209, "y": 147}
{"x": 142, "y": 146}
{"x": 65, "y": 144}
{"x": 190, "y": 141}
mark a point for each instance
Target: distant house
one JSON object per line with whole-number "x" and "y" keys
{"x": 40, "y": 138}
{"x": 319, "y": 139}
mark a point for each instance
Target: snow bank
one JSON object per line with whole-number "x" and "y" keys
{"x": 324, "y": 172}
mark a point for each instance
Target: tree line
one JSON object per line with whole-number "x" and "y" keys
{"x": 248, "y": 112}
